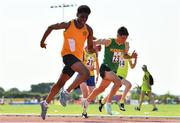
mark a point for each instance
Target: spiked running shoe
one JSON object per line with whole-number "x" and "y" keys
{"x": 44, "y": 108}
{"x": 100, "y": 105}
{"x": 121, "y": 107}
{"x": 63, "y": 97}
{"x": 84, "y": 115}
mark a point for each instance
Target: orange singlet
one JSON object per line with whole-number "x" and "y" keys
{"x": 74, "y": 40}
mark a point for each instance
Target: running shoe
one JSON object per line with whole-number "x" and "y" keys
{"x": 100, "y": 105}
{"x": 84, "y": 115}
{"x": 121, "y": 107}
{"x": 63, "y": 97}
{"x": 44, "y": 108}
{"x": 155, "y": 109}
{"x": 137, "y": 108}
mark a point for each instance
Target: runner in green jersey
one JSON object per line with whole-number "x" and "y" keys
{"x": 122, "y": 72}
{"x": 113, "y": 49}
{"x": 112, "y": 54}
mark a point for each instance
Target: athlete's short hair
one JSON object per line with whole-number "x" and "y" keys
{"x": 123, "y": 31}
{"x": 83, "y": 8}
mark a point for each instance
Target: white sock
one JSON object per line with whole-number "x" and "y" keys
{"x": 108, "y": 103}
{"x": 82, "y": 101}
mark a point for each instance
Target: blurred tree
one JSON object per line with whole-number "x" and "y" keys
{"x": 41, "y": 88}
{"x": 14, "y": 90}
{"x": 1, "y": 91}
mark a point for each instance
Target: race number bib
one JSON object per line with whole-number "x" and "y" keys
{"x": 121, "y": 62}
{"x": 90, "y": 61}
{"x": 71, "y": 42}
{"x": 116, "y": 57}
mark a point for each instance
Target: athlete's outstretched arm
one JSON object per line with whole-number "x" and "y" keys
{"x": 57, "y": 26}
{"x": 105, "y": 42}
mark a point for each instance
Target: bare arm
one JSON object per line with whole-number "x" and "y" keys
{"x": 133, "y": 64}
{"x": 90, "y": 40}
{"x": 57, "y": 26}
{"x": 105, "y": 42}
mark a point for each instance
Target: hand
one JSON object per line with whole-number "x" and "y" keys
{"x": 43, "y": 45}
{"x": 134, "y": 54}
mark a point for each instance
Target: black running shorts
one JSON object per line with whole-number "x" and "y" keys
{"x": 69, "y": 60}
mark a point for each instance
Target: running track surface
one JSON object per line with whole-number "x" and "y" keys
{"x": 91, "y": 119}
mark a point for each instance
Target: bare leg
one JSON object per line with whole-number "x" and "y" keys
{"x": 109, "y": 76}
{"x": 117, "y": 84}
{"x": 128, "y": 86}
{"x": 104, "y": 84}
{"x": 141, "y": 98}
{"x": 57, "y": 86}
{"x": 90, "y": 89}
{"x": 151, "y": 99}
{"x": 113, "y": 91}
{"x": 84, "y": 89}
{"x": 83, "y": 75}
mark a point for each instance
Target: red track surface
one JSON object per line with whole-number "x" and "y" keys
{"x": 91, "y": 119}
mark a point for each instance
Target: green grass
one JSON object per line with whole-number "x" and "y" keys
{"x": 163, "y": 110}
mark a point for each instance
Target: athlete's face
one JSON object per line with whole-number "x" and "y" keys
{"x": 122, "y": 38}
{"x": 82, "y": 18}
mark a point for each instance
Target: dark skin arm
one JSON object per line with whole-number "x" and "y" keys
{"x": 90, "y": 40}
{"x": 57, "y": 26}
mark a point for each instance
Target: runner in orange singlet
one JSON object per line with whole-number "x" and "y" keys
{"x": 76, "y": 32}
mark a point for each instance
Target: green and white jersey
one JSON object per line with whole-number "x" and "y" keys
{"x": 112, "y": 54}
